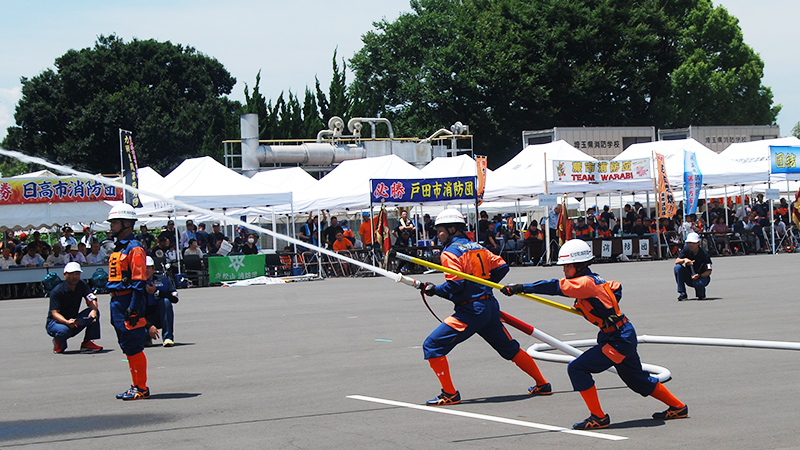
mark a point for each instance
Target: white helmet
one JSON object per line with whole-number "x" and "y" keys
{"x": 122, "y": 211}
{"x": 450, "y": 216}
{"x": 574, "y": 251}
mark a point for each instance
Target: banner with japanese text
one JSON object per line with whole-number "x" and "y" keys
{"x": 598, "y": 171}
{"x": 666, "y": 199}
{"x": 421, "y": 190}
{"x": 236, "y": 267}
{"x": 784, "y": 159}
{"x": 55, "y": 190}
{"x": 692, "y": 182}
{"x": 130, "y": 167}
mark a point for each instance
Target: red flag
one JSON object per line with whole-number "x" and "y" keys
{"x": 564, "y": 224}
{"x": 382, "y": 230}
{"x": 480, "y": 161}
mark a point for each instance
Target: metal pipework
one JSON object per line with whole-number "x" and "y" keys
{"x": 311, "y": 153}
{"x": 355, "y": 124}
{"x": 249, "y": 129}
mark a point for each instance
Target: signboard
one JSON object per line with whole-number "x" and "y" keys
{"x": 421, "y": 190}
{"x": 598, "y": 171}
{"x": 627, "y": 247}
{"x": 235, "y": 267}
{"x": 130, "y": 167}
{"x": 605, "y": 249}
{"x": 644, "y": 247}
{"x": 773, "y": 194}
{"x": 548, "y": 200}
{"x": 55, "y": 190}
{"x": 784, "y": 159}
{"x": 665, "y": 199}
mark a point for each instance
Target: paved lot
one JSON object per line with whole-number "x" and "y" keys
{"x": 273, "y": 366}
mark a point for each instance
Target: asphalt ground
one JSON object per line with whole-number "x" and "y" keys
{"x": 275, "y": 367}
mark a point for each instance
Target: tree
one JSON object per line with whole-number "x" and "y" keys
{"x": 796, "y": 130}
{"x": 170, "y": 96}
{"x": 503, "y": 66}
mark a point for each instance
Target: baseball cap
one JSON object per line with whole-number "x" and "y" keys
{"x": 72, "y": 267}
{"x": 365, "y": 214}
{"x": 215, "y": 224}
{"x": 692, "y": 238}
{"x": 149, "y": 262}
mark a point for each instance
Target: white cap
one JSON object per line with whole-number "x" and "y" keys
{"x": 149, "y": 262}
{"x": 692, "y": 238}
{"x": 72, "y": 267}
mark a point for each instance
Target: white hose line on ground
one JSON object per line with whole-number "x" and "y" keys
{"x": 550, "y": 343}
{"x": 537, "y": 351}
{"x": 221, "y": 217}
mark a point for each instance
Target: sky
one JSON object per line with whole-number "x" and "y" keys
{"x": 291, "y": 42}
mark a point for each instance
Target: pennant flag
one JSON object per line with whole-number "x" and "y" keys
{"x": 666, "y": 199}
{"x": 130, "y": 167}
{"x": 382, "y": 234}
{"x": 480, "y": 161}
{"x": 692, "y": 182}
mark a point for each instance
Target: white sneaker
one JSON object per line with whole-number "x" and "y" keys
{"x": 168, "y": 343}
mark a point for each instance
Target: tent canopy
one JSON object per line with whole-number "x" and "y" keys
{"x": 524, "y": 176}
{"x": 757, "y": 154}
{"x": 717, "y": 170}
{"x": 455, "y": 166}
{"x": 205, "y": 183}
{"x": 347, "y": 187}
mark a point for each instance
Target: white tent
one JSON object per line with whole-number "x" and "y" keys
{"x": 289, "y": 179}
{"x": 456, "y": 166}
{"x": 757, "y": 154}
{"x": 347, "y": 187}
{"x": 524, "y": 176}
{"x": 205, "y": 183}
{"x": 716, "y": 169}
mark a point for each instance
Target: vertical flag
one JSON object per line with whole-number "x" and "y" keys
{"x": 480, "y": 161}
{"x": 692, "y": 182}
{"x": 564, "y": 224}
{"x": 130, "y": 167}
{"x": 666, "y": 199}
{"x": 382, "y": 234}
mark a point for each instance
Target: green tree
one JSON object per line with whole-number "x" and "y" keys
{"x": 503, "y": 66}
{"x": 170, "y": 96}
{"x": 795, "y": 131}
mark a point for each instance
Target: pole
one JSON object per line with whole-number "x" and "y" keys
{"x": 475, "y": 279}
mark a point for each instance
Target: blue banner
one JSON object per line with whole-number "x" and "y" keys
{"x": 783, "y": 159}
{"x": 692, "y": 183}
{"x": 421, "y": 190}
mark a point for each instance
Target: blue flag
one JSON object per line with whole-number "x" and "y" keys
{"x": 692, "y": 182}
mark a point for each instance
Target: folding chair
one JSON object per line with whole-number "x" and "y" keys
{"x": 780, "y": 241}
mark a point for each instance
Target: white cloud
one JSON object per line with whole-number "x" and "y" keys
{"x": 8, "y": 103}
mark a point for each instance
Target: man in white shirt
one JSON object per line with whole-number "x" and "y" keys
{"x": 7, "y": 259}
{"x": 96, "y": 255}
{"x": 58, "y": 258}
{"x": 31, "y": 258}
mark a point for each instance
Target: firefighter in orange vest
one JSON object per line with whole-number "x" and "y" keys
{"x": 598, "y": 301}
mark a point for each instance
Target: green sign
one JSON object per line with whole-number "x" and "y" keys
{"x": 236, "y": 267}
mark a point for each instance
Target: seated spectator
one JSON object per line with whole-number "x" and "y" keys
{"x": 145, "y": 238}
{"x": 341, "y": 243}
{"x": 96, "y": 254}
{"x": 42, "y": 247}
{"x": 533, "y": 244}
{"x": 347, "y": 232}
{"x": 602, "y": 230}
{"x": 88, "y": 236}
{"x": 159, "y": 314}
{"x": 67, "y": 238}
{"x": 7, "y": 259}
{"x": 215, "y": 238}
{"x": 193, "y": 249}
{"x": 329, "y": 233}
{"x": 403, "y": 239}
{"x": 63, "y": 319}
{"x": 250, "y": 247}
{"x": 57, "y": 258}
{"x": 639, "y": 228}
{"x": 582, "y": 231}
{"x": 31, "y": 258}
{"x": 74, "y": 255}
